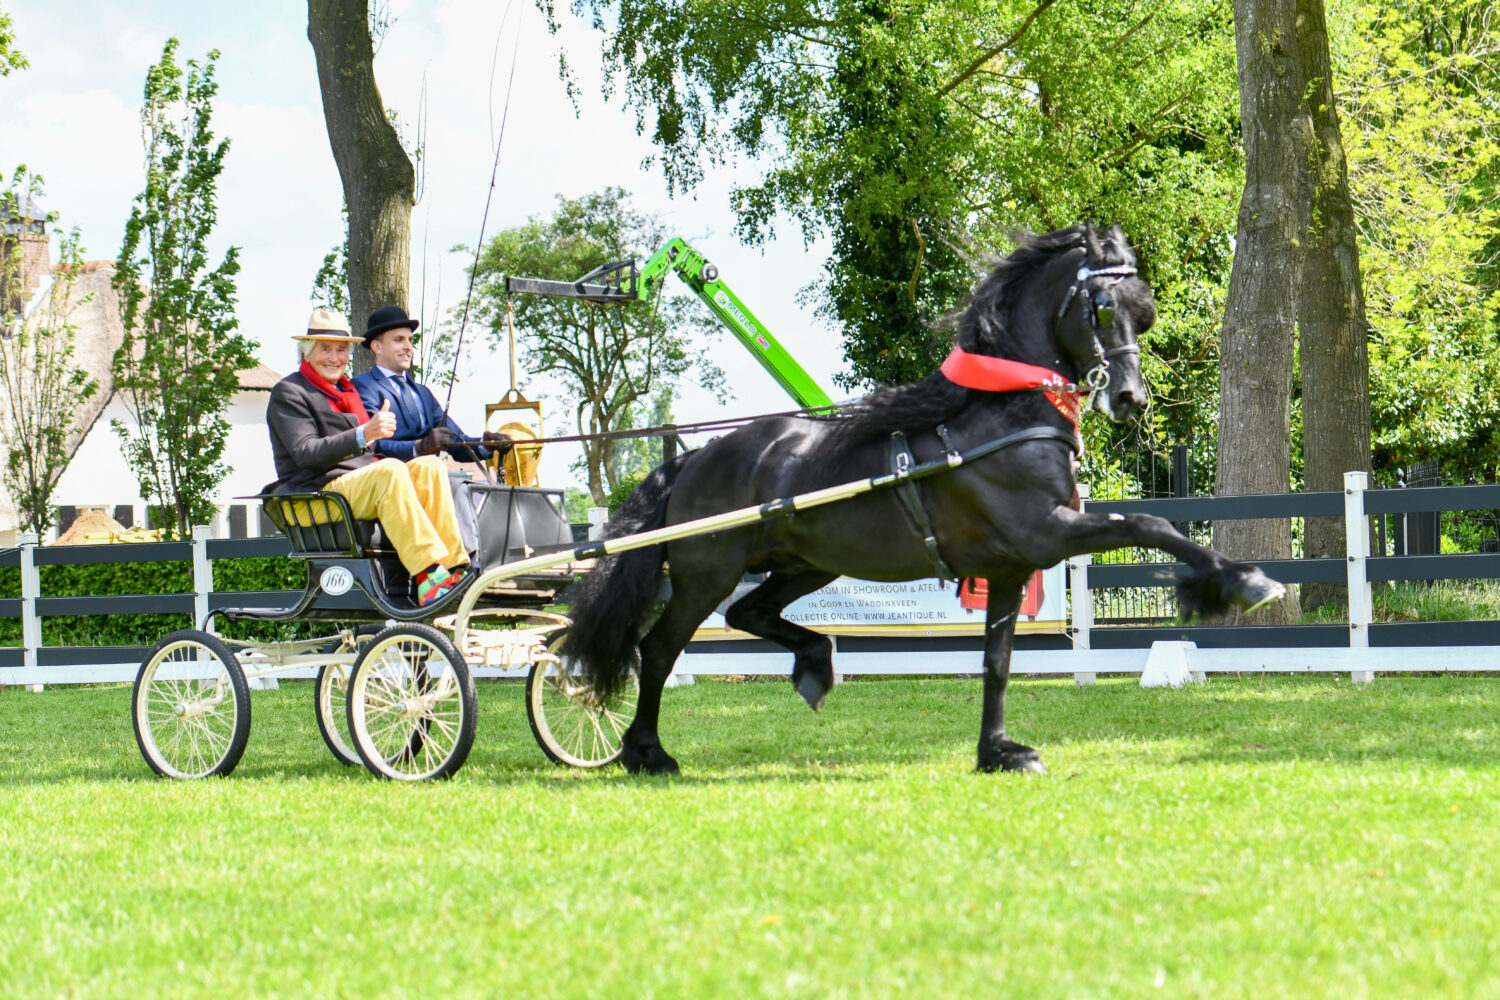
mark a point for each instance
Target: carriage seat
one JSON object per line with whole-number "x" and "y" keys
{"x": 334, "y": 531}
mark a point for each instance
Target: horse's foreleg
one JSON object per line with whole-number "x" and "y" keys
{"x": 996, "y": 751}
{"x": 759, "y": 613}
{"x": 1216, "y": 580}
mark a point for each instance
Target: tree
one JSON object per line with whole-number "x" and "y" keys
{"x": 919, "y": 135}
{"x": 1260, "y": 314}
{"x": 178, "y": 367}
{"x": 1333, "y": 332}
{"x": 378, "y": 177}
{"x": 1417, "y": 89}
{"x": 612, "y": 360}
{"x": 10, "y": 56}
{"x": 42, "y": 383}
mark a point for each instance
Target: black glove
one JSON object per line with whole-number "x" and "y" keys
{"x": 434, "y": 441}
{"x": 497, "y": 442}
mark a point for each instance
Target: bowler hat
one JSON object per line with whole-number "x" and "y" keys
{"x": 387, "y": 318}
{"x": 325, "y": 324}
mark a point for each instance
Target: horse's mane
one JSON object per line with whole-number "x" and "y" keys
{"x": 982, "y": 321}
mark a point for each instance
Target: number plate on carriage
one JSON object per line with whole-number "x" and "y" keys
{"x": 336, "y": 580}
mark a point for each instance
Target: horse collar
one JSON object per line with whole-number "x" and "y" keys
{"x": 991, "y": 374}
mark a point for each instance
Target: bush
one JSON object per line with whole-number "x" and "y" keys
{"x": 261, "y": 573}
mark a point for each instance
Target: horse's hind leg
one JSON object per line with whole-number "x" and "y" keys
{"x": 693, "y": 597}
{"x": 759, "y": 613}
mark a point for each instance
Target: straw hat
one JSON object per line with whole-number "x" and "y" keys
{"x": 325, "y": 324}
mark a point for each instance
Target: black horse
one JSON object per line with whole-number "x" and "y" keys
{"x": 1057, "y": 317}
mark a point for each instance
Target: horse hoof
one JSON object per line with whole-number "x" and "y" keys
{"x": 1013, "y": 757}
{"x": 651, "y": 760}
{"x": 1256, "y": 591}
{"x": 813, "y": 691}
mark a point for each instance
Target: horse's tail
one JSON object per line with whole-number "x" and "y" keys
{"x": 612, "y": 603}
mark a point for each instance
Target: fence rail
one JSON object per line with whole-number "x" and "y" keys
{"x": 1361, "y": 647}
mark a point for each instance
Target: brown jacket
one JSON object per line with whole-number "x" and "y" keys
{"x": 311, "y": 443}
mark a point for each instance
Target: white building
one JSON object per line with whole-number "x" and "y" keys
{"x": 97, "y": 474}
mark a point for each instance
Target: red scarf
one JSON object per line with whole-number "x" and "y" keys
{"x": 991, "y": 374}
{"x": 343, "y": 397}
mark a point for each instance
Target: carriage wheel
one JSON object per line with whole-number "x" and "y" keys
{"x": 331, "y": 704}
{"x": 569, "y": 726}
{"x": 191, "y": 707}
{"x": 411, "y": 705}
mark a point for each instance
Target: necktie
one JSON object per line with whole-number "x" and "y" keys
{"x": 409, "y": 393}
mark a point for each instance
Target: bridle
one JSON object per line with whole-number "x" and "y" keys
{"x": 1098, "y": 314}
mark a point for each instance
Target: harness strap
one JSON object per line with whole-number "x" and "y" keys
{"x": 902, "y": 463}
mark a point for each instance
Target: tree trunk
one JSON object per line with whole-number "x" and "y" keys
{"x": 1330, "y": 312}
{"x": 1256, "y": 344}
{"x": 378, "y": 177}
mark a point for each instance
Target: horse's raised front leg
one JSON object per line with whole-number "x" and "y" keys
{"x": 1215, "y": 582}
{"x": 996, "y": 751}
{"x": 759, "y": 613}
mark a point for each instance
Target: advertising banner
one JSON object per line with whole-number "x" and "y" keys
{"x": 863, "y": 607}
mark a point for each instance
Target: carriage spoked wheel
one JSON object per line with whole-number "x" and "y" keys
{"x": 331, "y": 700}
{"x": 571, "y": 726}
{"x": 191, "y": 707}
{"x": 411, "y": 705}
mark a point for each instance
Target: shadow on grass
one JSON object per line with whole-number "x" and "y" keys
{"x": 763, "y": 734}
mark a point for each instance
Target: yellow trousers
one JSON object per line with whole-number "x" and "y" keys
{"x": 413, "y": 503}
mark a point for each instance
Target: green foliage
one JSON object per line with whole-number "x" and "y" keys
{"x": 331, "y": 284}
{"x": 178, "y": 368}
{"x": 101, "y": 579}
{"x": 621, "y": 491}
{"x": 609, "y": 360}
{"x": 42, "y": 383}
{"x": 1423, "y": 141}
{"x": 920, "y": 135}
{"x": 10, "y": 56}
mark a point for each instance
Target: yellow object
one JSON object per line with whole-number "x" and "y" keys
{"x": 519, "y": 465}
{"x": 128, "y": 535}
{"x": 413, "y": 503}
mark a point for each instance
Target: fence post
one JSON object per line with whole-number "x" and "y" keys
{"x": 31, "y": 589}
{"x": 203, "y": 576}
{"x": 1357, "y": 545}
{"x": 1082, "y": 601}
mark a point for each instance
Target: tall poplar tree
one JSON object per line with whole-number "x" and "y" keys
{"x": 178, "y": 367}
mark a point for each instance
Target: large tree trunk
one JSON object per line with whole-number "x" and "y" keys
{"x": 1256, "y": 344}
{"x": 379, "y": 180}
{"x": 1330, "y": 312}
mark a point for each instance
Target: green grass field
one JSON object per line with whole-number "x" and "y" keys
{"x": 1255, "y": 837}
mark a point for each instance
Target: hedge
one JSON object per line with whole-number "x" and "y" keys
{"x": 261, "y": 573}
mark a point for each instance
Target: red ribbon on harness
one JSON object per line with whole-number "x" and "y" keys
{"x": 991, "y": 374}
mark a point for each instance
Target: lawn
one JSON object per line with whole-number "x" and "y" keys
{"x": 1255, "y": 837}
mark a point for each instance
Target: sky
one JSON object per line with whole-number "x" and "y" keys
{"x": 73, "y": 117}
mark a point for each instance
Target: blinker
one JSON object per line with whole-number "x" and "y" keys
{"x": 1104, "y": 310}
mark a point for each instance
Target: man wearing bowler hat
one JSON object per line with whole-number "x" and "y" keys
{"x": 422, "y": 428}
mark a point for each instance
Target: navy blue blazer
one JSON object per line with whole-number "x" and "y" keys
{"x": 412, "y": 421}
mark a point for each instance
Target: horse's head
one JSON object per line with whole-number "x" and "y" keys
{"x": 1105, "y": 308}
{"x": 1072, "y": 302}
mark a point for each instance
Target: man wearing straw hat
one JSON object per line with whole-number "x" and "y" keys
{"x": 321, "y": 439}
